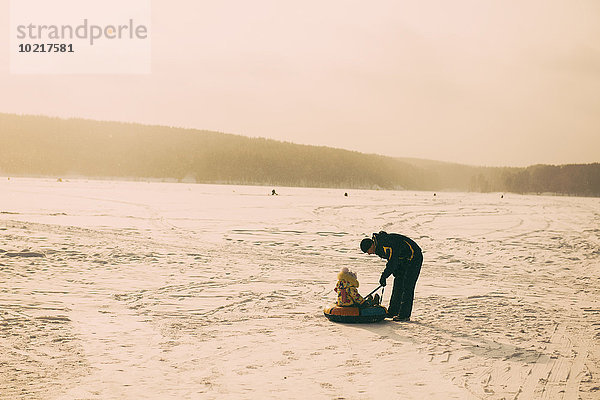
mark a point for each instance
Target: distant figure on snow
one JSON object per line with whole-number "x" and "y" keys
{"x": 346, "y": 194}
{"x": 404, "y": 259}
{"x": 347, "y": 291}
{"x": 273, "y": 193}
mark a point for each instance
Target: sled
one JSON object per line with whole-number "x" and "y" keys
{"x": 355, "y": 315}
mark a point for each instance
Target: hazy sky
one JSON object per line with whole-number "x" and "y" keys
{"x": 478, "y": 82}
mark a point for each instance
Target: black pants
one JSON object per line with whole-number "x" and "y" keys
{"x": 403, "y": 292}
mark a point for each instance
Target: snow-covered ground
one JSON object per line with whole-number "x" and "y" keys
{"x": 125, "y": 290}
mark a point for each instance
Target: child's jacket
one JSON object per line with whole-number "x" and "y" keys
{"x": 347, "y": 293}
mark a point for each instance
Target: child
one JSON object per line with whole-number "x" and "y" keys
{"x": 347, "y": 293}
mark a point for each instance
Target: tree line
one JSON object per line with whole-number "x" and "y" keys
{"x": 43, "y": 146}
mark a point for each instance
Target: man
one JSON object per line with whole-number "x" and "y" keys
{"x": 404, "y": 260}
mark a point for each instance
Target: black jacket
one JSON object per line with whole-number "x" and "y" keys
{"x": 398, "y": 250}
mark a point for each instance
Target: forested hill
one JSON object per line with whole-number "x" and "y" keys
{"x": 42, "y": 146}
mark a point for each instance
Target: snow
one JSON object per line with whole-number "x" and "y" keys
{"x": 183, "y": 291}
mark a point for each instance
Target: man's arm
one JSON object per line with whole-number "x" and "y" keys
{"x": 390, "y": 267}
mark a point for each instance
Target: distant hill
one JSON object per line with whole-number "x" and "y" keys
{"x": 43, "y": 146}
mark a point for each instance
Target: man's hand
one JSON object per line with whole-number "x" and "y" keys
{"x": 382, "y": 280}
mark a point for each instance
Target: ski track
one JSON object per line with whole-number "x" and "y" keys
{"x": 131, "y": 299}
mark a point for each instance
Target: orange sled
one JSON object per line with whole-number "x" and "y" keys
{"x": 355, "y": 314}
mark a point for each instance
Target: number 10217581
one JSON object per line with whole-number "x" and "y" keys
{"x": 45, "y": 48}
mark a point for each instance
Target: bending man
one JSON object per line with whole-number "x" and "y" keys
{"x": 404, "y": 260}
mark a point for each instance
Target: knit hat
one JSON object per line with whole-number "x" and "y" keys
{"x": 365, "y": 245}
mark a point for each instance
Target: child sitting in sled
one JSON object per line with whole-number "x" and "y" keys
{"x": 347, "y": 292}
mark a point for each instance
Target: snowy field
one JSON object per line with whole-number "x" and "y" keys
{"x": 120, "y": 290}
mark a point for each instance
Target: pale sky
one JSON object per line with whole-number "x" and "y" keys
{"x": 499, "y": 83}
